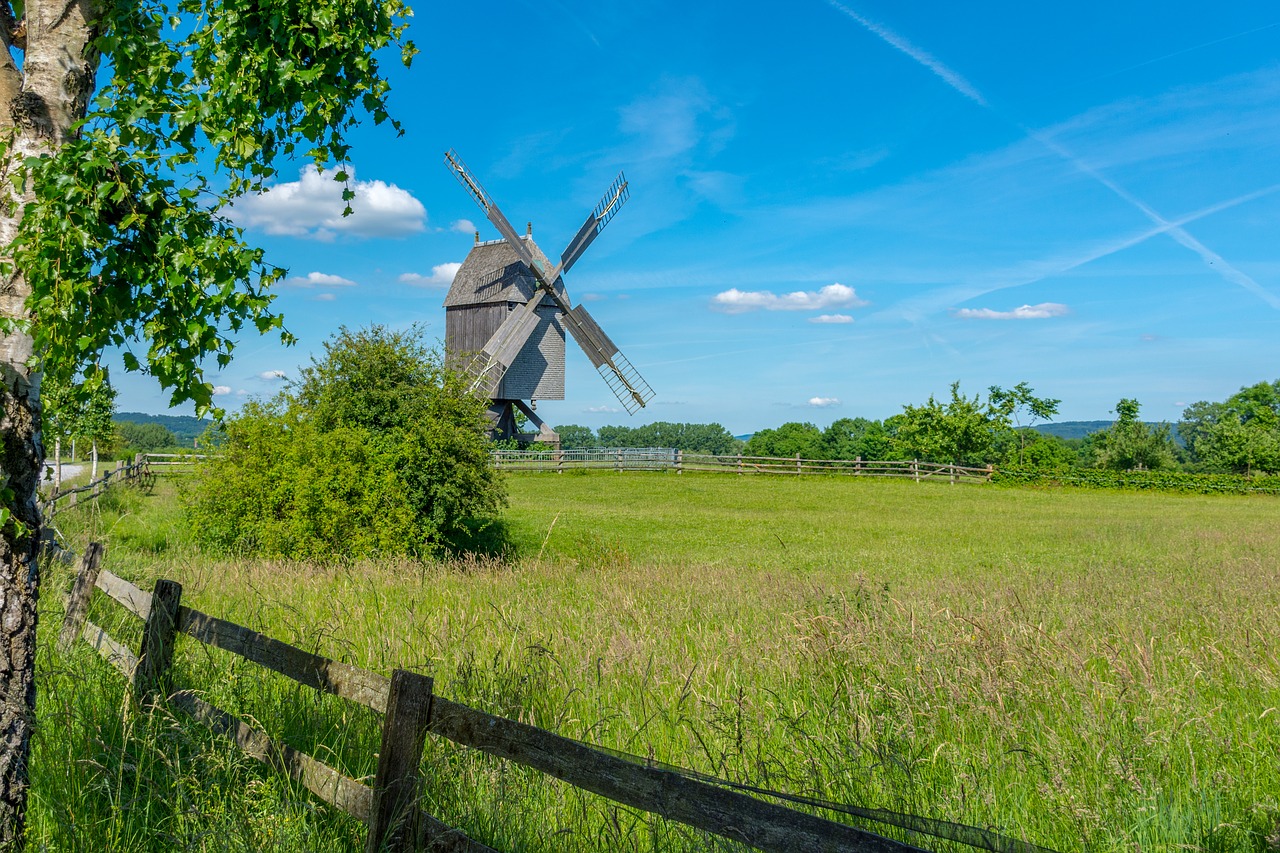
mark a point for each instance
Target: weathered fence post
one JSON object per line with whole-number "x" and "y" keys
{"x": 617, "y": 465}
{"x": 156, "y": 653}
{"x": 81, "y": 592}
{"x": 953, "y": 473}
{"x": 739, "y": 462}
{"x": 559, "y": 461}
{"x": 679, "y": 461}
{"x": 857, "y": 466}
{"x": 990, "y": 470}
{"x": 915, "y": 469}
{"x": 798, "y": 469}
{"x": 75, "y": 498}
{"x": 394, "y": 817}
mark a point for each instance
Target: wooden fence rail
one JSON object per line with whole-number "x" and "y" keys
{"x": 410, "y": 709}
{"x": 138, "y": 472}
{"x": 667, "y": 459}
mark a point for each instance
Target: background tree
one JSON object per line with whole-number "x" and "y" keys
{"x": 109, "y": 228}
{"x": 376, "y": 450}
{"x": 1129, "y": 443}
{"x": 575, "y": 437}
{"x": 787, "y": 440}
{"x": 960, "y": 432}
{"x": 142, "y": 438}
{"x": 1240, "y": 434}
{"x": 853, "y": 438}
{"x": 1015, "y": 405}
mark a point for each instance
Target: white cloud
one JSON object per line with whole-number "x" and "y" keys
{"x": 1023, "y": 312}
{"x": 311, "y": 207}
{"x": 272, "y": 375}
{"x": 837, "y": 295}
{"x": 441, "y": 276}
{"x": 221, "y": 390}
{"x": 591, "y": 297}
{"x": 602, "y": 410}
{"x": 824, "y": 402}
{"x": 831, "y": 318}
{"x": 319, "y": 279}
{"x": 325, "y": 297}
{"x": 463, "y": 226}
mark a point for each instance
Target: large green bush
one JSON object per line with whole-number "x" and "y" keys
{"x": 376, "y": 450}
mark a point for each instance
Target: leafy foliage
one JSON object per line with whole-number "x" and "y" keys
{"x": 787, "y": 440}
{"x": 1241, "y": 434}
{"x": 1130, "y": 444}
{"x": 961, "y": 432}
{"x": 378, "y": 449}
{"x": 712, "y": 439}
{"x": 1161, "y": 481}
{"x": 145, "y": 437}
{"x": 123, "y": 237}
{"x": 79, "y": 410}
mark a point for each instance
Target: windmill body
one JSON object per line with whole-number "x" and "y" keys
{"x": 492, "y": 284}
{"x": 506, "y": 315}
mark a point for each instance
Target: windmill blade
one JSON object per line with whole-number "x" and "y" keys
{"x": 503, "y": 346}
{"x": 494, "y": 215}
{"x": 623, "y": 380}
{"x": 614, "y": 198}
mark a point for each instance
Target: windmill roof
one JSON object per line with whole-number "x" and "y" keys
{"x": 492, "y": 273}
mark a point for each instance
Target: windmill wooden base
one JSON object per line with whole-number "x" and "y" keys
{"x": 502, "y": 423}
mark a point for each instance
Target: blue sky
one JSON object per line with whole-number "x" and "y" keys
{"x": 837, "y": 207}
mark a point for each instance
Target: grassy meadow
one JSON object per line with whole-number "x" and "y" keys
{"x": 1085, "y": 670}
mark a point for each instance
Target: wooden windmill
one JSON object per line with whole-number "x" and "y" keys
{"x": 507, "y": 310}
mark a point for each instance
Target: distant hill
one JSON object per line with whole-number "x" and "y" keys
{"x": 1079, "y": 429}
{"x": 184, "y": 427}
{"x": 1072, "y": 429}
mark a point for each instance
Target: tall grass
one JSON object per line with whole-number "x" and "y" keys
{"x": 1086, "y": 670}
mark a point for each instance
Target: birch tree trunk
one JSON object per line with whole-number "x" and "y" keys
{"x": 41, "y": 102}
{"x": 93, "y": 472}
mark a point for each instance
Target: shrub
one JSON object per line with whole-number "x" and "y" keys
{"x": 376, "y": 450}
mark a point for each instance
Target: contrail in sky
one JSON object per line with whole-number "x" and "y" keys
{"x": 964, "y": 87}
{"x": 950, "y": 77}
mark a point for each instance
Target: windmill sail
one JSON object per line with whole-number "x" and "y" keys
{"x": 623, "y": 380}
{"x": 614, "y": 198}
{"x": 492, "y": 213}
{"x": 500, "y": 351}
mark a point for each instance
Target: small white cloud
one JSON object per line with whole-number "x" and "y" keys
{"x": 272, "y": 375}
{"x": 243, "y": 392}
{"x": 221, "y": 390}
{"x": 311, "y": 207}
{"x": 463, "y": 226}
{"x": 837, "y": 295}
{"x": 319, "y": 279}
{"x": 591, "y": 297}
{"x": 325, "y": 297}
{"x": 831, "y": 318}
{"x": 824, "y": 402}
{"x": 1023, "y": 312}
{"x": 598, "y": 410}
{"x": 441, "y": 276}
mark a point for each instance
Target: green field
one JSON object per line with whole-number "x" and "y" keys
{"x": 1086, "y": 670}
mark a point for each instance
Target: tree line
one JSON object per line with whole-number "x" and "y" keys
{"x": 1238, "y": 435}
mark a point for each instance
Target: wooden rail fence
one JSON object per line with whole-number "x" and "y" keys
{"x": 391, "y": 807}
{"x": 139, "y": 472}
{"x": 667, "y": 459}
